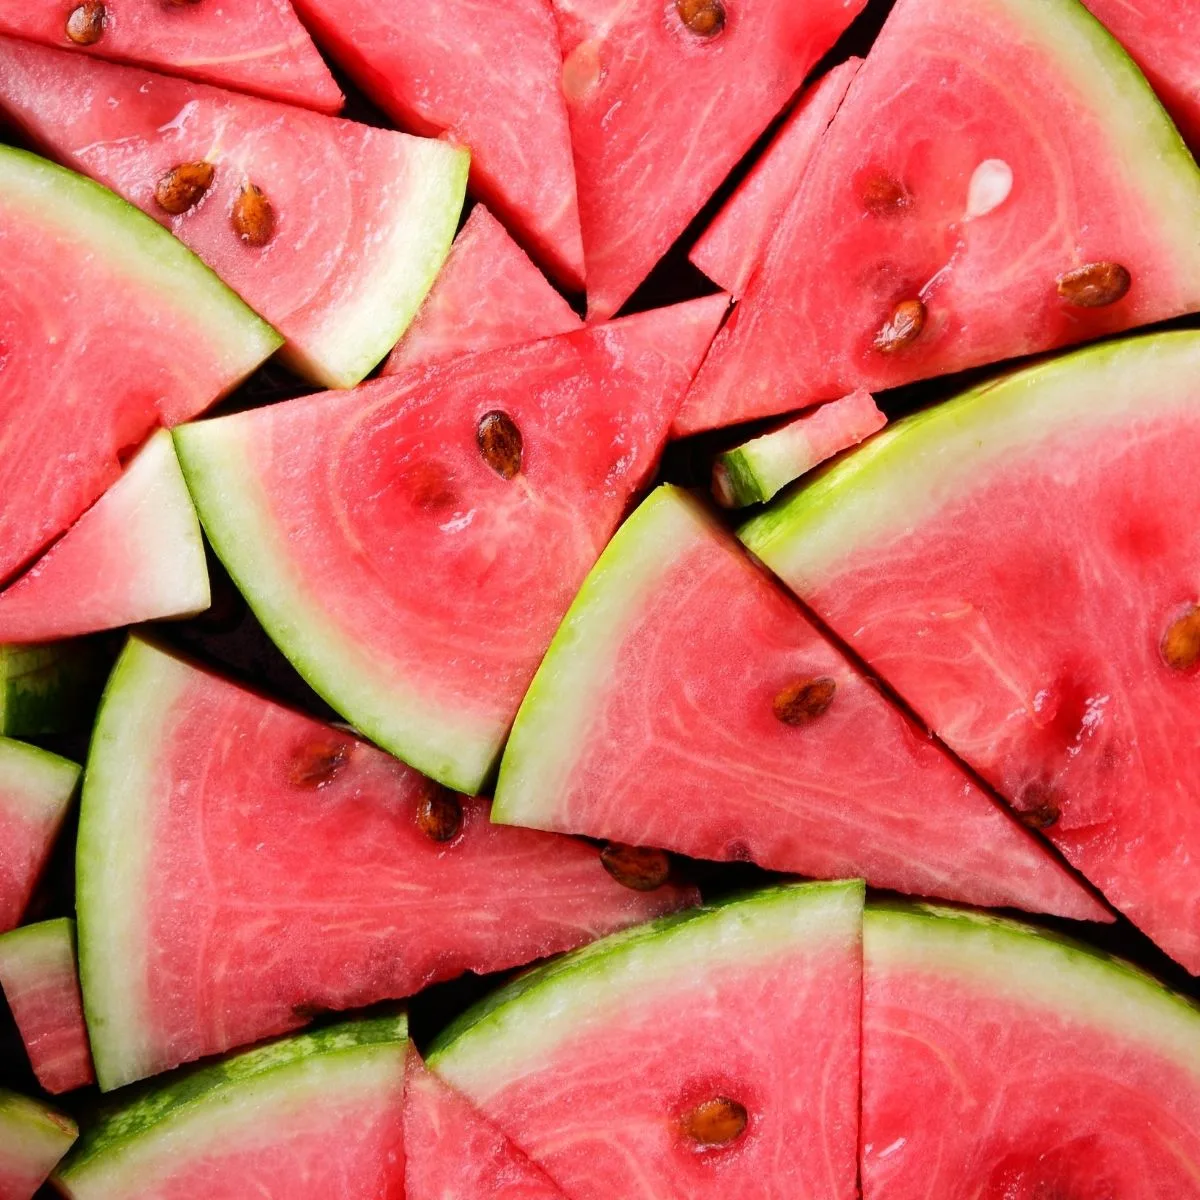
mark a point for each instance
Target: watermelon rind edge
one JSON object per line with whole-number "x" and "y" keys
{"x": 23, "y": 949}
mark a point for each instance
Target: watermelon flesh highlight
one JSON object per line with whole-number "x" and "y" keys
{"x": 730, "y": 249}
{"x": 411, "y": 584}
{"x": 33, "y": 1138}
{"x": 962, "y": 173}
{"x": 488, "y": 295}
{"x": 363, "y": 217}
{"x": 1008, "y": 1065}
{"x": 256, "y": 46}
{"x": 41, "y": 984}
{"x": 483, "y": 76}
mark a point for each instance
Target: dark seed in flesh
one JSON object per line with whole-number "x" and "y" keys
{"x": 500, "y": 443}
{"x": 706, "y": 18}
{"x": 1180, "y": 645}
{"x": 1036, "y": 806}
{"x": 253, "y": 218}
{"x": 440, "y": 815}
{"x": 638, "y": 867}
{"x": 85, "y": 25}
{"x": 317, "y": 763}
{"x": 902, "y": 328}
{"x": 183, "y": 186}
{"x": 716, "y": 1122}
{"x": 804, "y": 701}
{"x": 1095, "y": 285}
{"x": 883, "y": 196}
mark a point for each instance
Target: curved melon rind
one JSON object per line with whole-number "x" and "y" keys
{"x": 33, "y": 1139}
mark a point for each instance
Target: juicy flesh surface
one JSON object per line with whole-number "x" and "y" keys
{"x": 25, "y": 845}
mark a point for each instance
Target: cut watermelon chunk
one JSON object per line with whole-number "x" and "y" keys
{"x": 688, "y": 703}
{"x": 41, "y": 984}
{"x": 242, "y": 867}
{"x": 106, "y": 316}
{"x": 999, "y": 181}
{"x": 731, "y": 247}
{"x": 51, "y": 688}
{"x": 33, "y": 1138}
{"x": 483, "y": 76}
{"x": 452, "y": 1149}
{"x": 488, "y": 295}
{"x": 313, "y": 1117}
{"x": 412, "y": 546}
{"x": 1013, "y": 563}
{"x": 360, "y": 219}
{"x": 754, "y": 471}
{"x": 136, "y": 555}
{"x": 663, "y": 101}
{"x": 1002, "y": 1062}
{"x": 36, "y": 789}
{"x": 256, "y": 46}
{"x": 697, "y": 1057}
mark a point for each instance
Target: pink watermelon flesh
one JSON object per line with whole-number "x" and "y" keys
{"x": 452, "y": 1149}
{"x": 731, "y": 247}
{"x": 255, "y": 46}
{"x": 973, "y": 203}
{"x": 487, "y": 296}
{"x": 282, "y": 871}
{"x": 483, "y": 76}
{"x": 413, "y": 585}
{"x": 660, "y": 114}
{"x": 652, "y": 722}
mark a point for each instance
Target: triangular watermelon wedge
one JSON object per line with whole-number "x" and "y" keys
{"x": 256, "y": 46}
{"x": 33, "y": 1138}
{"x": 412, "y": 546}
{"x": 688, "y": 703}
{"x": 483, "y": 76}
{"x": 358, "y": 220}
{"x": 487, "y": 296}
{"x": 974, "y": 226}
{"x": 242, "y": 867}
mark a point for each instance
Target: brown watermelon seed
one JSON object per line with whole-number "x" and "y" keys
{"x": 902, "y": 328}
{"x": 440, "y": 815}
{"x": 1094, "y": 285}
{"x": 253, "y": 218}
{"x": 317, "y": 763}
{"x": 1180, "y": 646}
{"x": 500, "y": 443}
{"x": 85, "y": 24}
{"x": 804, "y": 701}
{"x": 183, "y": 186}
{"x": 1041, "y": 816}
{"x": 638, "y": 867}
{"x": 883, "y": 196}
{"x": 715, "y": 1122}
{"x": 706, "y": 18}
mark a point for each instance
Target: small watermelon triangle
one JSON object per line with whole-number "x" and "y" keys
{"x": 33, "y": 1139}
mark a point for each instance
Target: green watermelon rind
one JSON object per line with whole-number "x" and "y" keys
{"x": 747, "y": 479}
{"x": 31, "y": 776}
{"x": 28, "y": 952}
{"x": 45, "y": 688}
{"x": 43, "y": 1131}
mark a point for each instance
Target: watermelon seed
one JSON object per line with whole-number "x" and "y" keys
{"x": 440, "y": 815}
{"x": 1094, "y": 285}
{"x": 1036, "y": 808}
{"x": 902, "y": 328}
{"x": 883, "y": 196}
{"x": 715, "y": 1122}
{"x": 253, "y": 217}
{"x": 990, "y": 186}
{"x": 1180, "y": 645}
{"x": 638, "y": 867}
{"x": 805, "y": 701}
{"x": 183, "y": 186}
{"x": 500, "y": 443}
{"x": 705, "y": 18}
{"x": 85, "y": 25}
{"x": 317, "y": 763}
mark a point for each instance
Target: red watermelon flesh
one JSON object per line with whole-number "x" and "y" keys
{"x": 487, "y": 296}
{"x": 412, "y": 583}
{"x": 971, "y": 226}
{"x": 452, "y": 1149}
{"x": 362, "y": 217}
{"x": 660, "y": 114}
{"x": 483, "y": 76}
{"x": 273, "y": 867}
{"x": 654, "y": 721}
{"x": 256, "y": 46}
{"x": 730, "y": 248}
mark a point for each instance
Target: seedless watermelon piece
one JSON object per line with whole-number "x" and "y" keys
{"x": 1000, "y": 1061}
{"x": 33, "y": 1138}
{"x": 316, "y": 1116}
{"x": 688, "y": 703}
{"x": 488, "y": 295}
{"x": 360, "y": 219}
{"x": 712, "y": 1055}
{"x": 50, "y": 688}
{"x": 412, "y": 546}
{"x": 483, "y": 76}
{"x": 106, "y": 317}
{"x": 242, "y": 867}
{"x": 36, "y": 789}
{"x": 732, "y": 245}
{"x": 256, "y": 46}
{"x": 1013, "y": 562}
{"x": 41, "y": 984}
{"x": 949, "y": 219}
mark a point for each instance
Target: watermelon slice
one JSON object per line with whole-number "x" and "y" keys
{"x": 1012, "y": 562}
{"x": 314, "y": 1117}
{"x": 41, "y": 984}
{"x": 731, "y": 729}
{"x": 663, "y": 101}
{"x": 242, "y": 867}
{"x": 412, "y": 546}
{"x": 33, "y": 1138}
{"x": 1002, "y": 1062}
{"x": 453, "y": 1150}
{"x": 36, "y": 789}
{"x": 730, "y": 248}
{"x": 488, "y": 295}
{"x": 136, "y": 555}
{"x": 359, "y": 221}
{"x": 256, "y": 46}
{"x": 50, "y": 688}
{"x": 697, "y": 1058}
{"x": 483, "y": 76}
{"x": 106, "y": 316}
{"x": 754, "y": 471}
{"x": 972, "y": 225}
